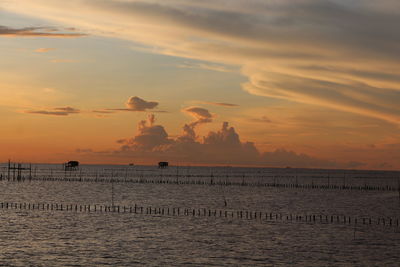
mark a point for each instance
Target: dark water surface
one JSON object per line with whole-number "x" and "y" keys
{"x": 59, "y": 238}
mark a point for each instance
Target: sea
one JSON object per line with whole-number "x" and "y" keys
{"x": 71, "y": 237}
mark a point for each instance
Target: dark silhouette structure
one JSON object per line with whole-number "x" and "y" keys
{"x": 162, "y": 164}
{"x": 17, "y": 169}
{"x": 71, "y": 165}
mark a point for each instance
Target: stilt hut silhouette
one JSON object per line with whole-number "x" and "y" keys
{"x": 162, "y": 164}
{"x": 71, "y": 165}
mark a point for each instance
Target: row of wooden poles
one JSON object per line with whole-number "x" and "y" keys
{"x": 211, "y": 182}
{"x": 204, "y": 212}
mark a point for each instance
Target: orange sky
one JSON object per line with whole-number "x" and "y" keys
{"x": 305, "y": 84}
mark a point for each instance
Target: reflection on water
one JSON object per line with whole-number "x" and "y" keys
{"x": 51, "y": 238}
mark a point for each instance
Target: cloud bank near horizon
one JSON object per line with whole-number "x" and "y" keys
{"x": 221, "y": 147}
{"x": 336, "y": 54}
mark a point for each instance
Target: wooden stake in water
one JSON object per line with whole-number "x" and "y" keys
{"x": 112, "y": 193}
{"x": 177, "y": 174}
{"x": 112, "y": 189}
{"x": 9, "y": 168}
{"x": 398, "y": 188}
{"x": 329, "y": 181}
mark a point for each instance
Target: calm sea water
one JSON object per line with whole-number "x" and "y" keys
{"x": 56, "y": 238}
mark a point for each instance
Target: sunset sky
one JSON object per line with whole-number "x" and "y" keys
{"x": 307, "y": 83}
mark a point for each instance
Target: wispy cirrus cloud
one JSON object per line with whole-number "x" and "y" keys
{"x": 44, "y": 50}
{"x": 103, "y": 111}
{"x": 207, "y": 66}
{"x": 63, "y": 60}
{"x": 213, "y": 103}
{"x": 59, "y": 111}
{"x": 262, "y": 119}
{"x": 38, "y": 32}
{"x": 221, "y": 104}
{"x": 336, "y": 54}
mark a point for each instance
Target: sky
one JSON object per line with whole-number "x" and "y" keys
{"x": 274, "y": 83}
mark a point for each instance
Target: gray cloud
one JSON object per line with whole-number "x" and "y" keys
{"x": 135, "y": 103}
{"x": 61, "y": 111}
{"x": 263, "y": 119}
{"x": 84, "y": 150}
{"x": 229, "y": 105}
{"x": 148, "y": 138}
{"x": 103, "y": 111}
{"x": 206, "y": 66}
{"x": 292, "y": 36}
{"x": 357, "y": 97}
{"x": 44, "y": 50}
{"x": 217, "y": 147}
{"x": 336, "y": 54}
{"x": 38, "y": 32}
{"x": 285, "y": 158}
{"x": 201, "y": 115}
{"x": 223, "y": 146}
{"x": 47, "y": 112}
{"x": 69, "y": 110}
